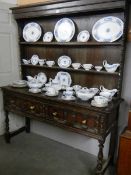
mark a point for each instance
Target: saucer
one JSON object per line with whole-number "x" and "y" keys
{"x": 51, "y": 95}
{"x": 93, "y": 103}
{"x": 70, "y": 99}
{"x": 35, "y": 91}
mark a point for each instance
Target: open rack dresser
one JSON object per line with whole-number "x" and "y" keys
{"x": 99, "y": 122}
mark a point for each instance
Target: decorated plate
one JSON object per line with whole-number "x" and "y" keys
{"x": 64, "y": 79}
{"x": 34, "y": 59}
{"x": 41, "y": 77}
{"x": 83, "y": 36}
{"x": 64, "y": 30}
{"x": 48, "y": 37}
{"x": 108, "y": 29}
{"x": 32, "y": 32}
{"x": 64, "y": 61}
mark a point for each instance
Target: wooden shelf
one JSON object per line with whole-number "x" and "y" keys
{"x": 71, "y": 69}
{"x": 90, "y": 43}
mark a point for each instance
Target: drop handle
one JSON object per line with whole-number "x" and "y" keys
{"x": 54, "y": 113}
{"x": 12, "y": 101}
{"x": 32, "y": 107}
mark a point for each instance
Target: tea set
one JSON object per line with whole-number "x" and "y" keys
{"x": 65, "y": 62}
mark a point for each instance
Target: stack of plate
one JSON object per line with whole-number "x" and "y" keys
{"x": 19, "y": 83}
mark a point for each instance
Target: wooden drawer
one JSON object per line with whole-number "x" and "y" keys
{"x": 14, "y": 103}
{"x": 73, "y": 119}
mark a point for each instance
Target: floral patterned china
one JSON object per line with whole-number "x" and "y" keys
{"x": 64, "y": 61}
{"x": 108, "y": 29}
{"x": 32, "y": 32}
{"x": 64, "y": 30}
{"x": 34, "y": 59}
{"x": 48, "y": 37}
{"x": 83, "y": 36}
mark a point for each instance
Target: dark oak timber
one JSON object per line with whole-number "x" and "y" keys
{"x": 76, "y": 116}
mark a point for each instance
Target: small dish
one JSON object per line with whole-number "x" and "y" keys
{"x": 50, "y": 63}
{"x": 34, "y": 59}
{"x": 87, "y": 66}
{"x": 98, "y": 68}
{"x": 26, "y": 61}
{"x": 48, "y": 37}
{"x": 76, "y": 65}
{"x": 83, "y": 36}
{"x": 41, "y": 62}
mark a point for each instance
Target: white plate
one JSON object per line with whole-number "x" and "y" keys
{"x": 48, "y": 37}
{"x": 93, "y": 103}
{"x": 32, "y": 32}
{"x": 68, "y": 99}
{"x": 41, "y": 77}
{"x": 108, "y": 29}
{"x": 64, "y": 30}
{"x": 34, "y": 59}
{"x": 64, "y": 61}
{"x": 83, "y": 36}
{"x": 20, "y": 82}
{"x": 64, "y": 79}
{"x": 19, "y": 85}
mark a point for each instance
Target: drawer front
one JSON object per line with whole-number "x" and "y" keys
{"x": 26, "y": 106}
{"x": 88, "y": 122}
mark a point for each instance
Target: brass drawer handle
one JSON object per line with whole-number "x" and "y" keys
{"x": 54, "y": 113}
{"x": 32, "y": 107}
{"x": 12, "y": 101}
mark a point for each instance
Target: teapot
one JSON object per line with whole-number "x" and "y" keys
{"x": 110, "y": 67}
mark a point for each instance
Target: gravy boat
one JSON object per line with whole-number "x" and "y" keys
{"x": 110, "y": 67}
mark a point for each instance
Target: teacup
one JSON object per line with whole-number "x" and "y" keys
{"x": 50, "y": 63}
{"x": 68, "y": 94}
{"x": 100, "y": 99}
{"x": 76, "y": 87}
{"x": 26, "y": 61}
{"x": 69, "y": 88}
{"x": 76, "y": 65}
{"x": 51, "y": 90}
{"x": 87, "y": 66}
{"x": 106, "y": 94}
{"x": 98, "y": 68}
{"x": 41, "y": 62}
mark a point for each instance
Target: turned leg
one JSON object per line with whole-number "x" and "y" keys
{"x": 100, "y": 158}
{"x": 7, "y": 133}
{"x": 27, "y": 123}
{"x": 113, "y": 143}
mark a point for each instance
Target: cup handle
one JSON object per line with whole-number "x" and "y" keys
{"x": 104, "y": 62}
{"x": 101, "y": 88}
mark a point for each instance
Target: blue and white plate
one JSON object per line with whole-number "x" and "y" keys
{"x": 108, "y": 29}
{"x": 64, "y": 79}
{"x": 83, "y": 36}
{"x": 64, "y": 30}
{"x": 64, "y": 61}
{"x": 48, "y": 37}
{"x": 32, "y": 32}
